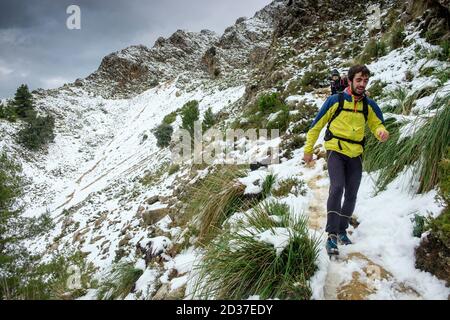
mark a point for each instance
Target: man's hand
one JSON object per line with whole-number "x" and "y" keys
{"x": 308, "y": 158}
{"x": 384, "y": 135}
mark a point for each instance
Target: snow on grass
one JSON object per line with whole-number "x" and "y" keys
{"x": 177, "y": 283}
{"x": 278, "y": 237}
{"x": 146, "y": 284}
{"x": 253, "y": 181}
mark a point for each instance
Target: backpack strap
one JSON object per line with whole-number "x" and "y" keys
{"x": 338, "y": 110}
{"x": 365, "y": 108}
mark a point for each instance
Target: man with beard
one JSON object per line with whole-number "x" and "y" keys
{"x": 346, "y": 114}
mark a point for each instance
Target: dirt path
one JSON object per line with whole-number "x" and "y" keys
{"x": 366, "y": 277}
{"x": 70, "y": 197}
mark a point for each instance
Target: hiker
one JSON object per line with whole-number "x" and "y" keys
{"x": 346, "y": 114}
{"x": 338, "y": 84}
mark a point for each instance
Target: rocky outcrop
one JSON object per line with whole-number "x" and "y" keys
{"x": 433, "y": 17}
{"x": 210, "y": 62}
{"x": 203, "y": 54}
{"x": 137, "y": 68}
{"x": 292, "y": 19}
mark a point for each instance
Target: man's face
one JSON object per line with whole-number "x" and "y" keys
{"x": 335, "y": 78}
{"x": 359, "y": 83}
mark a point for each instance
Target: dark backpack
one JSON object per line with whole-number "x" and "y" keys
{"x": 338, "y": 85}
{"x": 343, "y": 84}
{"x": 329, "y": 135}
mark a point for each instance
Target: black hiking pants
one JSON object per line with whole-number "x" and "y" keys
{"x": 345, "y": 175}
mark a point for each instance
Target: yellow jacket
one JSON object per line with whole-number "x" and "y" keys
{"x": 349, "y": 125}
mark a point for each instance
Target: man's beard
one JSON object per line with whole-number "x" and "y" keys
{"x": 355, "y": 93}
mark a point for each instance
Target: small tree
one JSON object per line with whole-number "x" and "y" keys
{"x": 163, "y": 134}
{"x": 269, "y": 103}
{"x": 208, "y": 119}
{"x": 189, "y": 114}
{"x": 22, "y": 274}
{"x": 23, "y": 100}
{"x": 38, "y": 132}
{"x": 8, "y": 112}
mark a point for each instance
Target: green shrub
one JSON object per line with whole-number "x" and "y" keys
{"x": 268, "y": 184}
{"x": 170, "y": 118}
{"x": 23, "y": 101}
{"x": 397, "y": 36}
{"x": 424, "y": 149}
{"x": 214, "y": 200}
{"x": 120, "y": 282}
{"x": 294, "y": 87}
{"x": 189, "y": 114}
{"x": 64, "y": 277}
{"x": 376, "y": 88}
{"x": 404, "y": 100}
{"x": 404, "y": 103}
{"x": 373, "y": 49}
{"x": 419, "y": 223}
{"x": 268, "y": 215}
{"x": 153, "y": 177}
{"x": 440, "y": 226}
{"x": 301, "y": 127}
{"x": 281, "y": 122}
{"x": 23, "y": 275}
{"x": 434, "y": 36}
{"x": 293, "y": 142}
{"x": 269, "y": 103}
{"x": 305, "y": 112}
{"x": 444, "y": 182}
{"x": 10, "y": 183}
{"x": 443, "y": 75}
{"x": 445, "y": 52}
{"x": 257, "y": 115}
{"x": 174, "y": 168}
{"x": 209, "y": 119}
{"x": 434, "y": 139}
{"x": 294, "y": 185}
{"x": 390, "y": 19}
{"x": 38, "y": 131}
{"x": 8, "y": 112}
{"x": 163, "y": 134}
{"x": 314, "y": 78}
{"x": 426, "y": 72}
{"x": 308, "y": 79}
{"x": 238, "y": 265}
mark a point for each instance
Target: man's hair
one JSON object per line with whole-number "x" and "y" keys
{"x": 357, "y": 69}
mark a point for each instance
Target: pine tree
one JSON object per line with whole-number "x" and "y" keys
{"x": 8, "y": 112}
{"x": 23, "y": 100}
{"x": 38, "y": 132}
{"x": 20, "y": 278}
{"x": 208, "y": 119}
{"x": 189, "y": 114}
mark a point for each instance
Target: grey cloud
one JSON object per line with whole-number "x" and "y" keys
{"x": 36, "y": 47}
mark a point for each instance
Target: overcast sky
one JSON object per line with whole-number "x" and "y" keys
{"x": 38, "y": 49}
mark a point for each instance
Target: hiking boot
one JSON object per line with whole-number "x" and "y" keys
{"x": 332, "y": 245}
{"x": 343, "y": 239}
